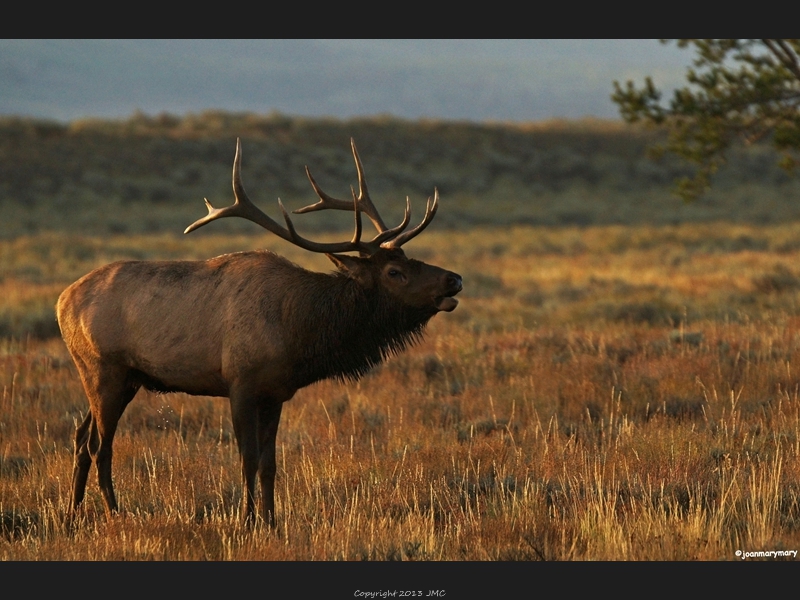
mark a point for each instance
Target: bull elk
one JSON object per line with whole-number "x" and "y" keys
{"x": 249, "y": 326}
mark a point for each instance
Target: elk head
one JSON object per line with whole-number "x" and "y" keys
{"x": 418, "y": 284}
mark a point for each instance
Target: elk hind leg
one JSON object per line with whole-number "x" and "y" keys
{"x": 83, "y": 461}
{"x": 109, "y": 388}
{"x": 105, "y": 428}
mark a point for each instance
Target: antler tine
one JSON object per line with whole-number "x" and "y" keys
{"x": 325, "y": 201}
{"x": 379, "y": 239}
{"x": 430, "y": 212}
{"x": 242, "y": 206}
{"x": 357, "y": 211}
{"x": 363, "y": 192}
{"x": 328, "y": 202}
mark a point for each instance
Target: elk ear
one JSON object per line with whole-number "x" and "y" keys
{"x": 355, "y": 268}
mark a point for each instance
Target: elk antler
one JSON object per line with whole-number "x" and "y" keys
{"x": 386, "y": 238}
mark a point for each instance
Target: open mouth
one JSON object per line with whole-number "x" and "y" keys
{"x": 446, "y": 303}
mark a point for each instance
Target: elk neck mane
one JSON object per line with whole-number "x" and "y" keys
{"x": 352, "y": 329}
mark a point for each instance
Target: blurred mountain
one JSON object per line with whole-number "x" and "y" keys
{"x": 478, "y": 80}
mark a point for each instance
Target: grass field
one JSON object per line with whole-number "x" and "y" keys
{"x": 606, "y": 392}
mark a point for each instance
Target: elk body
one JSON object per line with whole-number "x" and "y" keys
{"x": 249, "y": 326}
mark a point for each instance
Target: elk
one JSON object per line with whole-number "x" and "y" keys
{"x": 249, "y": 326}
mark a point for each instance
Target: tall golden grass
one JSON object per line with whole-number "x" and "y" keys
{"x": 606, "y": 393}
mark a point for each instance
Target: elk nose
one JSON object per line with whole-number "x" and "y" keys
{"x": 454, "y": 282}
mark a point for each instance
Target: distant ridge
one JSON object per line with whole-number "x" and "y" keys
{"x": 150, "y": 173}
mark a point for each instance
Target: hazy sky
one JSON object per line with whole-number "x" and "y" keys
{"x": 478, "y": 80}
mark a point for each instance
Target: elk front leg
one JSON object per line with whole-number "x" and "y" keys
{"x": 269, "y": 417}
{"x": 244, "y": 413}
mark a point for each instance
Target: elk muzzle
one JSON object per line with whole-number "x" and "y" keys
{"x": 454, "y": 285}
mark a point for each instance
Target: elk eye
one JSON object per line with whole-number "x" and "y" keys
{"x": 394, "y": 273}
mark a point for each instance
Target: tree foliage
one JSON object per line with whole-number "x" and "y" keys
{"x": 739, "y": 90}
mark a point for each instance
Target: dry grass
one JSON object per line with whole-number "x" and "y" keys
{"x": 602, "y": 393}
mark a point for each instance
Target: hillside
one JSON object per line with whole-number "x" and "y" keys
{"x": 149, "y": 174}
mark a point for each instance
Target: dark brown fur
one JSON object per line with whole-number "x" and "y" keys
{"x": 249, "y": 326}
